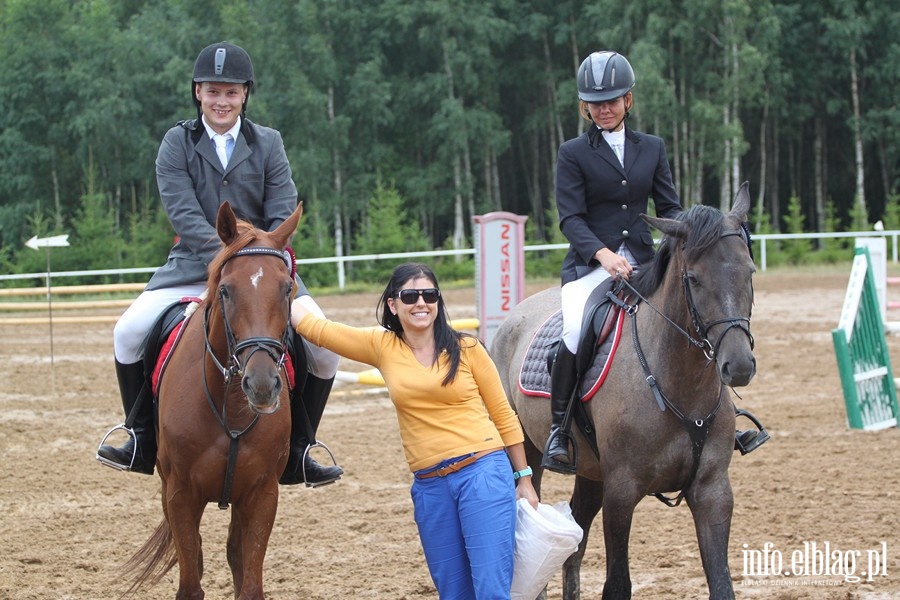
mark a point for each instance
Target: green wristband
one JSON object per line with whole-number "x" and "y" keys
{"x": 523, "y": 473}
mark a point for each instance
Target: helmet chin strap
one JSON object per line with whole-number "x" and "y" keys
{"x": 616, "y": 128}
{"x": 622, "y": 120}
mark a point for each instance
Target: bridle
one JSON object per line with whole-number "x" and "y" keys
{"x": 273, "y": 347}
{"x": 697, "y": 429}
{"x": 702, "y": 329}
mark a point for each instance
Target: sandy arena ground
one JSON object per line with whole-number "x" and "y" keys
{"x": 67, "y": 523}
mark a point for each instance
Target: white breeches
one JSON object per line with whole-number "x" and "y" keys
{"x": 135, "y": 323}
{"x": 574, "y": 296}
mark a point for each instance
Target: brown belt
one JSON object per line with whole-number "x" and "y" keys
{"x": 454, "y": 467}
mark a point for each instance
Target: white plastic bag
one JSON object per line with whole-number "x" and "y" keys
{"x": 545, "y": 538}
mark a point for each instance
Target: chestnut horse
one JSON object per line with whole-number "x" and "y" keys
{"x": 686, "y": 329}
{"x": 221, "y": 435}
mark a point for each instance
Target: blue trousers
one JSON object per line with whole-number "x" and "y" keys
{"x": 467, "y": 525}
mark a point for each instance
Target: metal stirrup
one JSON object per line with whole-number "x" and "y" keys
{"x": 109, "y": 463}
{"x": 306, "y": 481}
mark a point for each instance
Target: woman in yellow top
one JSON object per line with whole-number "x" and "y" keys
{"x": 455, "y": 421}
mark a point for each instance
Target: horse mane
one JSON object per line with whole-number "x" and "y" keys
{"x": 246, "y": 234}
{"x": 704, "y": 228}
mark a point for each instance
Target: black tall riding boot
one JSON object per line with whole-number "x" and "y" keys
{"x": 562, "y": 388}
{"x": 138, "y": 454}
{"x": 307, "y": 408}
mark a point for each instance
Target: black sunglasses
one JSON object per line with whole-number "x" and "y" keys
{"x": 429, "y": 295}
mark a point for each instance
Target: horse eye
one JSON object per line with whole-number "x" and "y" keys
{"x": 692, "y": 279}
{"x": 223, "y": 291}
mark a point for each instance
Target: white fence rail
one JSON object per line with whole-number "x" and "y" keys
{"x": 760, "y": 241}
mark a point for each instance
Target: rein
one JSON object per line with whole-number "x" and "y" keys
{"x": 274, "y": 348}
{"x": 702, "y": 329}
{"x": 697, "y": 429}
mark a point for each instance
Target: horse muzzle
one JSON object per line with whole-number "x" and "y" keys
{"x": 733, "y": 352}
{"x": 270, "y": 409}
{"x": 736, "y": 369}
{"x": 263, "y": 391}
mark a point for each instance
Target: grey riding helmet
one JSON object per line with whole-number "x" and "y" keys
{"x": 604, "y": 76}
{"x": 223, "y": 62}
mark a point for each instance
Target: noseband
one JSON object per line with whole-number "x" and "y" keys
{"x": 273, "y": 347}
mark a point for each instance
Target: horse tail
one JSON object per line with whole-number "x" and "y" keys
{"x": 155, "y": 558}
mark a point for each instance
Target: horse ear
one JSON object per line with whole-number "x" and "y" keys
{"x": 284, "y": 232}
{"x": 667, "y": 226}
{"x": 226, "y": 223}
{"x": 741, "y": 205}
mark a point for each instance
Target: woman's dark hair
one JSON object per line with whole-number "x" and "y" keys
{"x": 445, "y": 337}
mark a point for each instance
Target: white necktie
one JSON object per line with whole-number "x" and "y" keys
{"x": 221, "y": 147}
{"x": 619, "y": 151}
{"x": 616, "y": 142}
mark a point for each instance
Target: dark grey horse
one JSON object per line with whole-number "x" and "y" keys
{"x": 692, "y": 332}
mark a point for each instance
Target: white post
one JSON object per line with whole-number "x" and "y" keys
{"x": 878, "y": 255}
{"x": 49, "y": 242}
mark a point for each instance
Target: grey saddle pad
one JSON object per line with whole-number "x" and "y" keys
{"x": 534, "y": 376}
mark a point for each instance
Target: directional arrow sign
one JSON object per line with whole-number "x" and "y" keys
{"x": 56, "y": 240}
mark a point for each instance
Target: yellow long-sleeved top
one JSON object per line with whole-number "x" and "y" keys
{"x": 436, "y": 422}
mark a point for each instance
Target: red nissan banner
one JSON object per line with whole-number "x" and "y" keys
{"x": 499, "y": 268}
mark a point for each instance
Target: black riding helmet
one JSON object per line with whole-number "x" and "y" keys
{"x": 604, "y": 76}
{"x": 226, "y": 63}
